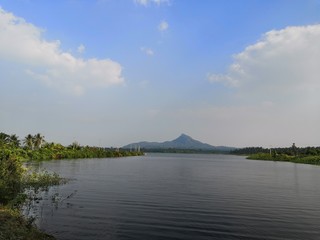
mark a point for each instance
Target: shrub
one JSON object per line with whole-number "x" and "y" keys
{"x": 11, "y": 173}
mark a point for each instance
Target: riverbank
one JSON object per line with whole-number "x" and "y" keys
{"x": 14, "y": 226}
{"x": 15, "y": 179}
{"x": 314, "y": 160}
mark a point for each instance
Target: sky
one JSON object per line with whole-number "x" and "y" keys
{"x": 112, "y": 72}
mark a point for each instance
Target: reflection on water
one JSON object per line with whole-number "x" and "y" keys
{"x": 176, "y": 196}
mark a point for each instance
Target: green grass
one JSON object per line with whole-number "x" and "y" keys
{"x": 15, "y": 227}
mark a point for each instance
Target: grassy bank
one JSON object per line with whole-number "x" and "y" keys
{"x": 15, "y": 227}
{"x": 14, "y": 181}
{"x": 314, "y": 160}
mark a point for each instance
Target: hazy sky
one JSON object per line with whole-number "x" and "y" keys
{"x": 111, "y": 72}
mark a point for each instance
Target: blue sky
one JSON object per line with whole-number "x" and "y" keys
{"x": 110, "y": 72}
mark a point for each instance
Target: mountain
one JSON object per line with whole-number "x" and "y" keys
{"x": 184, "y": 142}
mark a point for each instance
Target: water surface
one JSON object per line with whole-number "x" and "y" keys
{"x": 182, "y": 196}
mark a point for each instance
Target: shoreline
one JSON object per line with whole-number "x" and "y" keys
{"x": 311, "y": 160}
{"x": 13, "y": 225}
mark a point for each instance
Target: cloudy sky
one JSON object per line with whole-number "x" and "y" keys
{"x": 111, "y": 72}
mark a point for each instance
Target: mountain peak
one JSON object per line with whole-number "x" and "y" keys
{"x": 182, "y": 142}
{"x": 183, "y": 138}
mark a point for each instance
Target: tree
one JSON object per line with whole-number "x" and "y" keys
{"x": 14, "y": 140}
{"x": 38, "y": 140}
{"x": 4, "y": 138}
{"x": 294, "y": 149}
{"x": 75, "y": 146}
{"x": 10, "y": 176}
{"x": 29, "y": 141}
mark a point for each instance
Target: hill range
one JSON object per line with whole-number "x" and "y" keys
{"x": 183, "y": 142}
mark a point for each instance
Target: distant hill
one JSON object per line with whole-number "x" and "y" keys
{"x": 183, "y": 142}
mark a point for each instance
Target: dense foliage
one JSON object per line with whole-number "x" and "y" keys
{"x": 15, "y": 180}
{"x": 249, "y": 150}
{"x": 11, "y": 175}
{"x": 35, "y": 148}
{"x": 291, "y": 151}
{"x": 308, "y": 155}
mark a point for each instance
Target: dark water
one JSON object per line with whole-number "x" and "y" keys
{"x": 163, "y": 196}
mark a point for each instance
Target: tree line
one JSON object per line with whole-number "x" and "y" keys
{"x": 34, "y": 147}
{"x": 291, "y": 151}
{"x": 308, "y": 155}
{"x": 30, "y": 141}
{"x": 181, "y": 150}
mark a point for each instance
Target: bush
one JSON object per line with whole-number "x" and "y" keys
{"x": 14, "y": 179}
{"x": 11, "y": 173}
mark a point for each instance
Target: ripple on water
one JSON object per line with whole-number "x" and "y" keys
{"x": 184, "y": 197}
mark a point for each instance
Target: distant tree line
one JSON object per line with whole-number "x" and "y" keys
{"x": 308, "y": 155}
{"x": 178, "y": 150}
{"x": 34, "y": 147}
{"x": 249, "y": 150}
{"x": 291, "y": 151}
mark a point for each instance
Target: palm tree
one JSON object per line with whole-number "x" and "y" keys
{"x": 4, "y": 138}
{"x": 38, "y": 140}
{"x": 14, "y": 140}
{"x": 29, "y": 141}
{"x": 75, "y": 145}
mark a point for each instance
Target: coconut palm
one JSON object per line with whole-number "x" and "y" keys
{"x": 75, "y": 145}
{"x": 4, "y": 138}
{"x": 38, "y": 140}
{"x": 29, "y": 141}
{"x": 14, "y": 140}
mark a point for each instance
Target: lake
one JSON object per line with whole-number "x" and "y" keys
{"x": 181, "y": 196}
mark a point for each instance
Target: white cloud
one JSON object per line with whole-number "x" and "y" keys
{"x": 22, "y": 43}
{"x": 147, "y": 51}
{"x": 161, "y": 1}
{"x": 157, "y": 2}
{"x": 283, "y": 65}
{"x": 81, "y": 49}
{"x": 275, "y": 89}
{"x": 142, "y": 2}
{"x": 220, "y": 78}
{"x": 163, "y": 26}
